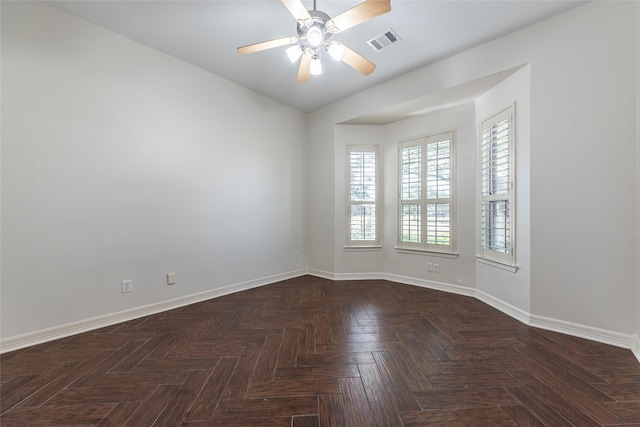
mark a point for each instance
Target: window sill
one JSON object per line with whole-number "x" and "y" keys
{"x": 497, "y": 264}
{"x": 427, "y": 253}
{"x": 362, "y": 248}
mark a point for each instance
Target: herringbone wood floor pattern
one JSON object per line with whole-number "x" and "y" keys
{"x": 312, "y": 352}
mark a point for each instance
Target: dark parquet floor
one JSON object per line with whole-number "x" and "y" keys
{"x": 312, "y": 352}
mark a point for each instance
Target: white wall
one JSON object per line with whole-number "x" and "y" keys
{"x": 583, "y": 266}
{"x": 582, "y": 166}
{"x": 375, "y": 263}
{"x": 637, "y": 332}
{"x": 117, "y": 163}
{"x": 320, "y": 202}
{"x": 511, "y": 288}
{"x": 351, "y": 260}
{"x": 120, "y": 162}
{"x": 459, "y": 271}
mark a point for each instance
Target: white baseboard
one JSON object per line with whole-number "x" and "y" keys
{"x": 358, "y": 276}
{"x": 430, "y": 284}
{"x": 555, "y": 325}
{"x": 63, "y": 331}
{"x": 346, "y": 276}
{"x": 582, "y": 331}
{"x": 635, "y": 347}
{"x": 594, "y": 334}
{"x": 506, "y": 308}
{"x": 321, "y": 273}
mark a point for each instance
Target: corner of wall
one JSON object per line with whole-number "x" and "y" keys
{"x": 636, "y": 345}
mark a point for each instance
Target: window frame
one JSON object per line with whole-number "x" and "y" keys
{"x": 351, "y": 243}
{"x": 423, "y": 202}
{"x": 488, "y": 252}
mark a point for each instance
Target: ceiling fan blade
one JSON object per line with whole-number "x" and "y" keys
{"x": 304, "y": 72}
{"x": 269, "y": 44}
{"x": 357, "y": 61}
{"x": 366, "y": 10}
{"x": 297, "y": 9}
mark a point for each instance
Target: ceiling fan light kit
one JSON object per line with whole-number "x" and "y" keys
{"x": 316, "y": 65}
{"x": 315, "y": 29}
{"x": 294, "y": 52}
{"x": 336, "y": 50}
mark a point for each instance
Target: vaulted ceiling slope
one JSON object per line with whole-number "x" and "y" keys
{"x": 207, "y": 33}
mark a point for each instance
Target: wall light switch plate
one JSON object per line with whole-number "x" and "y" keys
{"x": 171, "y": 278}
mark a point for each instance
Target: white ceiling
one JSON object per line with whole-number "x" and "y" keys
{"x": 207, "y": 33}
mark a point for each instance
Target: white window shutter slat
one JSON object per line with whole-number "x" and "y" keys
{"x": 426, "y": 208}
{"x": 497, "y": 175}
{"x": 362, "y": 196}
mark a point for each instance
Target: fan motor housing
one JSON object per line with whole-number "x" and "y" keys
{"x": 318, "y": 20}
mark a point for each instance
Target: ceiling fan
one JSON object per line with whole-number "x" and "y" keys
{"x": 315, "y": 29}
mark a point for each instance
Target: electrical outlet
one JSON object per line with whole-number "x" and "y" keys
{"x": 429, "y": 266}
{"x": 127, "y": 286}
{"x": 296, "y": 256}
{"x": 171, "y": 278}
{"x": 436, "y": 268}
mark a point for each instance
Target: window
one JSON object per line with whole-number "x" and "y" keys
{"x": 362, "y": 196}
{"x": 426, "y": 217}
{"x": 497, "y": 183}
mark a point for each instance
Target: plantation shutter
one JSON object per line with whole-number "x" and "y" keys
{"x": 411, "y": 194}
{"x": 497, "y": 187}
{"x": 426, "y": 194}
{"x": 438, "y": 189}
{"x": 362, "y": 196}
